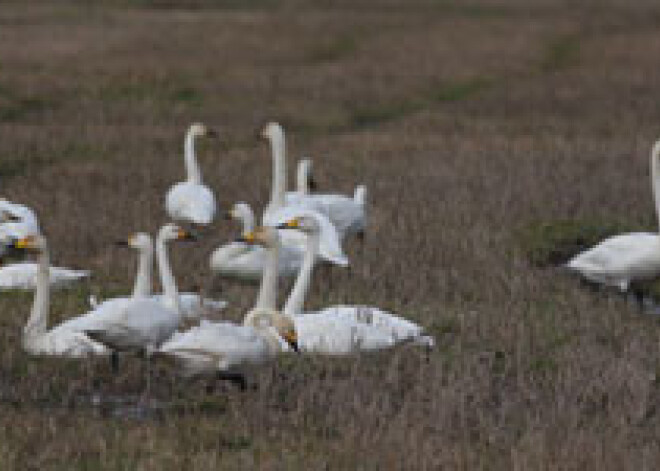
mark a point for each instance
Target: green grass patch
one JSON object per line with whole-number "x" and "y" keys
{"x": 553, "y": 243}
{"x": 460, "y": 90}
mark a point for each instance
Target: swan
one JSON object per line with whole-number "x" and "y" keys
{"x": 340, "y": 330}
{"x": 192, "y": 305}
{"x": 619, "y": 260}
{"x": 245, "y": 261}
{"x": 17, "y": 221}
{"x": 139, "y": 323}
{"x": 347, "y": 213}
{"x": 277, "y": 212}
{"x": 226, "y": 349}
{"x": 61, "y": 340}
{"x": 191, "y": 200}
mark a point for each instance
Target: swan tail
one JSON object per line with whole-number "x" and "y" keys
{"x": 360, "y": 195}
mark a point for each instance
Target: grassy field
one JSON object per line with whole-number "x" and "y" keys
{"x": 473, "y": 123}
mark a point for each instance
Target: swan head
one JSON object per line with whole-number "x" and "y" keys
{"x": 307, "y": 224}
{"x": 32, "y": 243}
{"x": 199, "y": 129}
{"x": 240, "y": 210}
{"x": 174, "y": 232}
{"x": 283, "y": 325}
{"x": 139, "y": 241}
{"x": 265, "y": 236}
{"x": 272, "y": 131}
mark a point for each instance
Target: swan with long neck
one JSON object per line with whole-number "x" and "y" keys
{"x": 60, "y": 340}
{"x": 191, "y": 200}
{"x": 246, "y": 261}
{"x": 222, "y": 347}
{"x": 622, "y": 259}
{"x": 347, "y": 213}
{"x": 339, "y": 330}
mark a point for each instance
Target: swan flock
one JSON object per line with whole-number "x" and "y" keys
{"x": 298, "y": 229}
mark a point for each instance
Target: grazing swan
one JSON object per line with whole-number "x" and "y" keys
{"x": 277, "y": 212}
{"x": 340, "y": 330}
{"x": 192, "y": 201}
{"x": 346, "y": 213}
{"x": 246, "y": 261}
{"x": 138, "y": 323}
{"x": 61, "y": 340}
{"x": 193, "y": 306}
{"x": 622, "y": 259}
{"x": 224, "y": 348}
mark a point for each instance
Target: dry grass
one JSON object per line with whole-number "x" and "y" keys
{"x": 469, "y": 123}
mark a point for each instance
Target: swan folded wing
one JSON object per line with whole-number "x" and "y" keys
{"x": 330, "y": 244}
{"x": 191, "y": 202}
{"x": 23, "y": 275}
{"x": 67, "y": 343}
{"x": 342, "y": 211}
{"x": 249, "y": 265}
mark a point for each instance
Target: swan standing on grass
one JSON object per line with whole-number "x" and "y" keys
{"x": 340, "y": 330}
{"x": 346, "y": 213}
{"x": 224, "y": 348}
{"x": 622, "y": 259}
{"x": 62, "y": 340}
{"x": 193, "y": 306}
{"x": 246, "y": 261}
{"x": 192, "y": 201}
{"x": 277, "y": 212}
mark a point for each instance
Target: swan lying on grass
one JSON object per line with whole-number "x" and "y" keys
{"x": 191, "y": 200}
{"x": 347, "y": 214}
{"x": 226, "y": 349}
{"x": 339, "y": 330}
{"x": 622, "y": 259}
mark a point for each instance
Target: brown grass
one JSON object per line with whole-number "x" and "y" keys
{"x": 469, "y": 123}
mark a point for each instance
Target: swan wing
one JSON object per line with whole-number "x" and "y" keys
{"x": 192, "y": 202}
{"x": 23, "y": 275}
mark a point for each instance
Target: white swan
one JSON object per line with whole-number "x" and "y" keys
{"x": 17, "y": 221}
{"x": 60, "y": 340}
{"x": 340, "y": 330}
{"x": 191, "y": 200}
{"x": 277, "y": 212}
{"x": 193, "y": 306}
{"x": 139, "y": 323}
{"x": 622, "y": 259}
{"x": 226, "y": 348}
{"x": 245, "y": 261}
{"x": 348, "y": 214}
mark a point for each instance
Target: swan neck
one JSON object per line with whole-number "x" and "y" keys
{"x": 192, "y": 167}
{"x": 296, "y": 301}
{"x": 170, "y": 292}
{"x": 267, "y": 297}
{"x": 38, "y": 322}
{"x": 655, "y": 177}
{"x": 279, "y": 173}
{"x": 302, "y": 179}
{"x": 247, "y": 220}
{"x": 143, "y": 280}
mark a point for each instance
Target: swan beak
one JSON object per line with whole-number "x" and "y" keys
{"x": 26, "y": 243}
{"x": 212, "y": 133}
{"x": 228, "y": 216}
{"x": 292, "y": 339}
{"x": 122, "y": 243}
{"x": 186, "y": 235}
{"x": 248, "y": 238}
{"x": 292, "y": 224}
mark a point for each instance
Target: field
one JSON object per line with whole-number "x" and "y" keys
{"x": 479, "y": 127}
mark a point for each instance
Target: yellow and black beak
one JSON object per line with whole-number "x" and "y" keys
{"x": 228, "y": 216}
{"x": 292, "y": 339}
{"x": 25, "y": 243}
{"x": 212, "y": 133}
{"x": 292, "y": 224}
{"x": 186, "y": 235}
{"x": 311, "y": 182}
{"x": 249, "y": 238}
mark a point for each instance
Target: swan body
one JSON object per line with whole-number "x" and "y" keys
{"x": 63, "y": 340}
{"x": 346, "y": 213}
{"x": 246, "y": 261}
{"x": 191, "y": 200}
{"x": 277, "y": 212}
{"x": 340, "y": 330}
{"x": 214, "y": 347}
{"x": 622, "y": 259}
{"x": 23, "y": 275}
